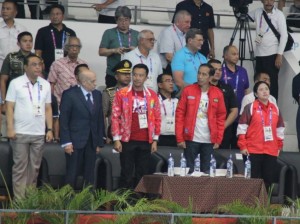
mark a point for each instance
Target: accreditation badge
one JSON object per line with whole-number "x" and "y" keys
{"x": 37, "y": 110}
{"x": 143, "y": 123}
{"x": 268, "y": 133}
{"x": 58, "y": 53}
{"x": 170, "y": 124}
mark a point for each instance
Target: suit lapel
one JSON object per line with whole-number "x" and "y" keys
{"x": 96, "y": 100}
{"x": 82, "y": 98}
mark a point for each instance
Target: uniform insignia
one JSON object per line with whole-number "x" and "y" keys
{"x": 216, "y": 100}
{"x": 126, "y": 64}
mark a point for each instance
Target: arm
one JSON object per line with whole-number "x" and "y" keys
{"x": 10, "y": 106}
{"x": 115, "y": 122}
{"x": 104, "y": 5}
{"x": 221, "y": 117}
{"x": 178, "y": 79}
{"x": 3, "y": 81}
{"x": 280, "y": 131}
{"x": 38, "y": 52}
{"x": 296, "y": 88}
{"x": 49, "y": 120}
{"x": 247, "y": 91}
{"x": 64, "y": 118}
{"x": 179, "y": 118}
{"x": 101, "y": 130}
{"x": 169, "y": 57}
{"x": 283, "y": 39}
{"x": 211, "y": 40}
{"x": 242, "y": 128}
{"x": 231, "y": 116}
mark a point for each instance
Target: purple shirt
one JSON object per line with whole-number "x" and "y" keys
{"x": 238, "y": 80}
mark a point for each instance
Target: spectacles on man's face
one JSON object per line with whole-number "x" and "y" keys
{"x": 151, "y": 39}
{"x": 123, "y": 20}
{"x": 74, "y": 46}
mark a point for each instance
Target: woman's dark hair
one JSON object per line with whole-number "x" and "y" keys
{"x": 256, "y": 85}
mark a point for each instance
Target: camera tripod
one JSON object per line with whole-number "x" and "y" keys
{"x": 242, "y": 24}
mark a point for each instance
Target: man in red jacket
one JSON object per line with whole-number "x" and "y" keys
{"x": 200, "y": 119}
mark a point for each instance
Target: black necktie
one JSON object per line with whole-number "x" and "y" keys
{"x": 89, "y": 102}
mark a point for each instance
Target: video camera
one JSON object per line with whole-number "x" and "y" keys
{"x": 240, "y": 6}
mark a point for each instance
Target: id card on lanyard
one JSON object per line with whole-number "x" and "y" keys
{"x": 149, "y": 82}
{"x": 142, "y": 114}
{"x": 36, "y": 107}
{"x": 236, "y": 80}
{"x": 268, "y": 134}
{"x": 58, "y": 52}
{"x": 170, "y": 118}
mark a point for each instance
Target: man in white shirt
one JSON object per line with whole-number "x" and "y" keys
{"x": 107, "y": 9}
{"x": 168, "y": 105}
{"x": 172, "y": 38}
{"x": 144, "y": 54}
{"x": 9, "y": 29}
{"x": 268, "y": 50}
{"x": 28, "y": 102}
{"x": 249, "y": 98}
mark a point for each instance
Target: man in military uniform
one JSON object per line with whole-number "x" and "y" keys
{"x": 122, "y": 73}
{"x": 13, "y": 65}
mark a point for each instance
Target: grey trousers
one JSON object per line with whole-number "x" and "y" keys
{"x": 27, "y": 157}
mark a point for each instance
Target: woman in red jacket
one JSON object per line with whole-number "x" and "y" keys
{"x": 260, "y": 133}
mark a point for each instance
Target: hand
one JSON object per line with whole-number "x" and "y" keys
{"x": 245, "y": 152}
{"x": 3, "y": 108}
{"x": 211, "y": 53}
{"x": 278, "y": 61}
{"x": 49, "y": 136}
{"x": 69, "y": 149}
{"x": 98, "y": 7}
{"x": 181, "y": 145}
{"x": 98, "y": 150}
{"x": 11, "y": 134}
{"x": 154, "y": 146}
{"x": 118, "y": 146}
{"x": 216, "y": 146}
{"x": 108, "y": 141}
{"x": 120, "y": 50}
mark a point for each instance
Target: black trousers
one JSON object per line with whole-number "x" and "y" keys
{"x": 267, "y": 64}
{"x": 135, "y": 161}
{"x": 32, "y": 8}
{"x": 106, "y": 19}
{"x": 264, "y": 166}
{"x": 226, "y": 142}
{"x": 167, "y": 140}
{"x": 81, "y": 162}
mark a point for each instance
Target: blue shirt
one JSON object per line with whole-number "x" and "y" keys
{"x": 187, "y": 62}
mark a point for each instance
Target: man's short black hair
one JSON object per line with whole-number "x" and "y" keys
{"x": 160, "y": 77}
{"x": 13, "y": 2}
{"x": 26, "y": 59}
{"x": 57, "y": 6}
{"x": 257, "y": 75}
{"x": 25, "y": 33}
{"x": 143, "y": 66}
{"x": 77, "y": 68}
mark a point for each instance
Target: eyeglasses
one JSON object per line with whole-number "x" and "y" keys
{"x": 123, "y": 20}
{"x": 74, "y": 46}
{"x": 151, "y": 39}
{"x": 40, "y": 64}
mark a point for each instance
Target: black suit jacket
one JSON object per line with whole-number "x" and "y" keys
{"x": 77, "y": 121}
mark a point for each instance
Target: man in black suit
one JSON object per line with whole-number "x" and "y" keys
{"x": 81, "y": 127}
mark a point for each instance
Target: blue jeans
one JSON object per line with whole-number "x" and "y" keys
{"x": 193, "y": 149}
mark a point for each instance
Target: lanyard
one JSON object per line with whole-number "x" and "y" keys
{"x": 193, "y": 60}
{"x": 260, "y": 25}
{"x": 164, "y": 106}
{"x": 151, "y": 69}
{"x": 226, "y": 78}
{"x": 54, "y": 40}
{"x": 30, "y": 94}
{"x": 180, "y": 40}
{"x": 262, "y": 117}
{"x": 120, "y": 40}
{"x": 138, "y": 103}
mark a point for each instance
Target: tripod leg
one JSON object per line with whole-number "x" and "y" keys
{"x": 236, "y": 28}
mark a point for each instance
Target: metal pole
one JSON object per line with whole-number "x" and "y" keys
{"x": 135, "y": 15}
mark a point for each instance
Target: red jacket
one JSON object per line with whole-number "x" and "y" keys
{"x": 186, "y": 113}
{"x": 250, "y": 129}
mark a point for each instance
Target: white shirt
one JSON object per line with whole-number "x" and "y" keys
{"x": 8, "y": 39}
{"x": 167, "y": 110}
{"x": 25, "y": 119}
{"x": 111, "y": 9}
{"x": 202, "y": 133}
{"x": 269, "y": 44}
{"x": 170, "y": 40}
{"x": 152, "y": 61}
{"x": 249, "y": 98}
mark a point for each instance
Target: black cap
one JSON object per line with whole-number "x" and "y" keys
{"x": 123, "y": 66}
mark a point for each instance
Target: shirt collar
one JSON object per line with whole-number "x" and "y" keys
{"x": 178, "y": 30}
{"x": 139, "y": 54}
{"x": 3, "y": 24}
{"x": 84, "y": 91}
{"x": 69, "y": 60}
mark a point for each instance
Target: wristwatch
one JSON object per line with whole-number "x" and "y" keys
{"x": 49, "y": 129}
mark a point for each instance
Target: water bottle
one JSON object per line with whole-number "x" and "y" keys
{"x": 182, "y": 165}
{"x": 170, "y": 166}
{"x": 229, "y": 172}
{"x": 197, "y": 164}
{"x": 212, "y": 166}
{"x": 248, "y": 168}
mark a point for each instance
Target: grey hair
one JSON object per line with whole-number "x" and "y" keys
{"x": 192, "y": 33}
{"x": 67, "y": 44}
{"x": 180, "y": 15}
{"x": 142, "y": 34}
{"x": 122, "y": 11}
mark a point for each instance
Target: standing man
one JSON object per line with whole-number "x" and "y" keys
{"x": 200, "y": 119}
{"x": 81, "y": 128}
{"x": 32, "y": 5}
{"x": 123, "y": 76}
{"x": 61, "y": 75}
{"x": 296, "y": 96}
{"x": 116, "y": 42}
{"x": 135, "y": 126}
{"x": 50, "y": 40}
{"x": 230, "y": 100}
{"x": 187, "y": 60}
{"x": 9, "y": 29}
{"x": 172, "y": 39}
{"x": 28, "y": 102}
{"x": 144, "y": 54}
{"x": 268, "y": 50}
{"x": 106, "y": 10}
{"x": 203, "y": 19}
{"x": 237, "y": 77}
{"x": 168, "y": 105}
